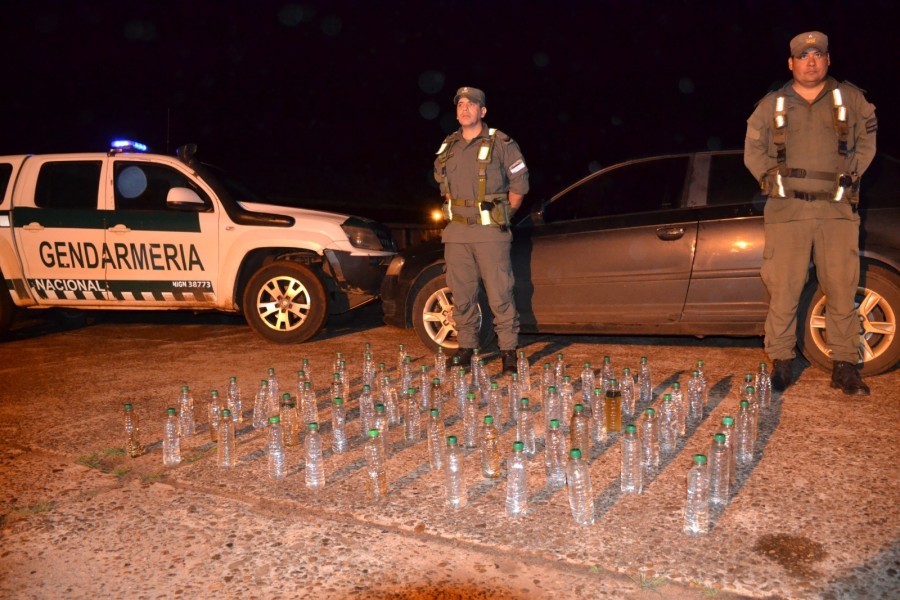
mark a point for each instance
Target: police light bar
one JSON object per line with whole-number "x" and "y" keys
{"x": 127, "y": 146}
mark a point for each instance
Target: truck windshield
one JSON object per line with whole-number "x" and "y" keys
{"x": 226, "y": 186}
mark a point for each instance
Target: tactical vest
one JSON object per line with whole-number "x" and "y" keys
{"x": 843, "y": 181}
{"x": 498, "y": 214}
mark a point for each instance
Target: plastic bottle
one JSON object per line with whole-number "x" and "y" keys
{"x": 695, "y": 397}
{"x": 390, "y": 400}
{"x": 369, "y": 372}
{"x": 728, "y": 429}
{"x": 186, "y": 412}
{"x": 764, "y": 386}
{"x": 424, "y": 385}
{"x": 366, "y": 409}
{"x": 649, "y": 444}
{"x": 581, "y": 495}
{"x": 435, "y": 440}
{"x": 235, "y": 405}
{"x": 645, "y": 382}
{"x": 632, "y": 473}
{"x": 547, "y": 379}
{"x": 475, "y": 366}
{"x": 412, "y": 418}
{"x": 454, "y": 479}
{"x": 743, "y": 429}
{"x": 382, "y": 424}
{"x": 680, "y": 402}
{"x": 308, "y": 408}
{"x": 513, "y": 397}
{"x": 626, "y": 387}
{"x": 339, "y": 441}
{"x": 406, "y": 374}
{"x": 523, "y": 370}
{"x": 337, "y": 386}
{"x": 612, "y": 408}
{"x": 552, "y": 405}
{"x": 705, "y": 389}
{"x": 379, "y": 378}
{"x": 438, "y": 397}
{"x": 566, "y": 398}
{"x": 696, "y": 506}
{"x": 490, "y": 449}
{"x": 460, "y": 390}
{"x": 495, "y": 402}
{"x": 525, "y": 428}
{"x": 470, "y": 422}
{"x": 555, "y": 456}
{"x": 214, "y": 412}
{"x": 132, "y": 432}
{"x": 580, "y": 430}
{"x": 668, "y": 425}
{"x": 376, "y": 482}
{"x": 752, "y": 399}
{"x": 719, "y": 478}
{"x": 440, "y": 365}
{"x": 598, "y": 420}
{"x": 606, "y": 373}
{"x": 171, "y": 442}
{"x": 315, "y": 464}
{"x": 226, "y": 448}
{"x": 484, "y": 379}
{"x": 275, "y": 448}
{"x": 559, "y": 369}
{"x": 401, "y": 356}
{"x": 290, "y": 421}
{"x": 273, "y": 400}
{"x": 517, "y": 482}
{"x": 587, "y": 384}
{"x": 259, "y": 405}
{"x": 307, "y": 368}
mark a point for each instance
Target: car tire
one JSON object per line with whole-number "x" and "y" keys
{"x": 878, "y": 297}
{"x": 285, "y": 302}
{"x": 432, "y": 316}
{"x": 7, "y": 308}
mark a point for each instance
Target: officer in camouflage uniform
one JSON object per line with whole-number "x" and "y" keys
{"x": 483, "y": 179}
{"x": 808, "y": 143}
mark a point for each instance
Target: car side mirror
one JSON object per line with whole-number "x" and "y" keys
{"x": 182, "y": 198}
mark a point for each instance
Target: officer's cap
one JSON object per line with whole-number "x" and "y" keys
{"x": 473, "y": 94}
{"x": 808, "y": 40}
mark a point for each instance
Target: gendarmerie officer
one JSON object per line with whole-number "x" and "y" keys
{"x": 808, "y": 143}
{"x": 483, "y": 179}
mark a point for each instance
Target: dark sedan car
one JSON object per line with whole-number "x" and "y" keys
{"x": 669, "y": 245}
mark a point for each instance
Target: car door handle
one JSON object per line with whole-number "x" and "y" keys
{"x": 33, "y": 226}
{"x": 670, "y": 233}
{"x": 119, "y": 229}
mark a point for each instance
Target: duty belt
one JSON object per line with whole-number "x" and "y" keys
{"x": 465, "y": 220}
{"x": 810, "y": 196}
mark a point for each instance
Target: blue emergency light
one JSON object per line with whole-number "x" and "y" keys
{"x": 128, "y": 146}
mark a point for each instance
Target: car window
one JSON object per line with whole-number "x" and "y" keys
{"x": 144, "y": 186}
{"x": 5, "y": 174}
{"x": 645, "y": 186}
{"x": 730, "y": 182}
{"x": 68, "y": 184}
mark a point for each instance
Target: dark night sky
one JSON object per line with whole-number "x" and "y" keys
{"x": 348, "y": 101}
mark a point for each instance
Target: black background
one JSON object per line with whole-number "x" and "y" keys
{"x": 344, "y": 103}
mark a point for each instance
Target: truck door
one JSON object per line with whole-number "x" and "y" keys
{"x": 159, "y": 256}
{"x": 59, "y": 230}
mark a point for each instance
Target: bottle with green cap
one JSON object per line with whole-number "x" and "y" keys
{"x": 581, "y": 495}
{"x": 513, "y": 397}
{"x": 382, "y": 424}
{"x": 412, "y": 418}
{"x": 566, "y": 393}
{"x": 743, "y": 429}
{"x": 460, "y": 388}
{"x": 606, "y": 373}
{"x": 649, "y": 444}
{"x": 132, "y": 432}
{"x": 490, "y": 449}
{"x": 390, "y": 400}
{"x": 764, "y": 386}
{"x": 587, "y": 384}
{"x": 696, "y": 506}
{"x": 598, "y": 410}
{"x": 339, "y": 441}
{"x": 695, "y": 398}
{"x": 337, "y": 386}
{"x": 436, "y": 440}
{"x": 171, "y": 442}
{"x": 704, "y": 389}
{"x": 644, "y": 382}
{"x": 315, "y": 465}
{"x": 626, "y": 389}
{"x": 259, "y": 405}
{"x": 226, "y": 448}
{"x": 555, "y": 455}
{"x": 290, "y": 421}
{"x": 632, "y": 475}
{"x": 309, "y": 411}
{"x": 668, "y": 425}
{"x": 580, "y": 430}
{"x": 233, "y": 398}
{"x": 275, "y": 448}
{"x": 440, "y": 365}
{"x": 552, "y": 405}
{"x": 376, "y": 482}
{"x": 273, "y": 396}
{"x": 423, "y": 383}
{"x": 454, "y": 479}
{"x": 525, "y": 427}
{"x": 523, "y": 370}
{"x": 366, "y": 410}
{"x": 438, "y": 397}
{"x": 681, "y": 405}
{"x": 186, "y": 412}
{"x": 730, "y": 437}
{"x": 470, "y": 422}
{"x": 719, "y": 478}
{"x": 517, "y": 481}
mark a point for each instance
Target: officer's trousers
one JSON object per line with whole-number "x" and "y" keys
{"x": 834, "y": 244}
{"x": 489, "y": 262}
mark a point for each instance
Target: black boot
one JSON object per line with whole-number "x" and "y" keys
{"x": 465, "y": 357}
{"x": 846, "y": 376}
{"x": 782, "y": 374}
{"x": 508, "y": 358}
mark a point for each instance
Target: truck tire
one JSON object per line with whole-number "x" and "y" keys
{"x": 432, "y": 316}
{"x": 7, "y": 308}
{"x": 878, "y": 299}
{"x": 285, "y": 302}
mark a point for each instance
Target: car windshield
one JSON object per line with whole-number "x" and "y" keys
{"x": 226, "y": 186}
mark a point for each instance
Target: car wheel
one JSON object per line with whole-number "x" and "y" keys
{"x": 7, "y": 308}
{"x": 433, "y": 316}
{"x": 285, "y": 302}
{"x": 878, "y": 302}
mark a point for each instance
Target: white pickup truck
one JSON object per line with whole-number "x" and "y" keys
{"x": 125, "y": 229}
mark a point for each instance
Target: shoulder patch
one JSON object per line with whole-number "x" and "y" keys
{"x": 517, "y": 166}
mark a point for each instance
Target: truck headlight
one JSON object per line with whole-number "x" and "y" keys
{"x": 361, "y": 235}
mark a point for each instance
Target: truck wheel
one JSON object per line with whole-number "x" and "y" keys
{"x": 7, "y": 308}
{"x": 878, "y": 302}
{"x": 432, "y": 316}
{"x": 285, "y": 303}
